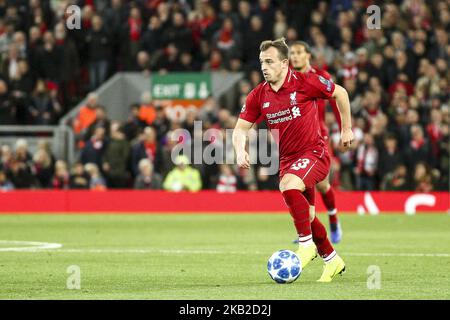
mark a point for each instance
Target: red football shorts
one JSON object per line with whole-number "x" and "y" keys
{"x": 312, "y": 166}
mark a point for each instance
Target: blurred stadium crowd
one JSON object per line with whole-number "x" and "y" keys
{"x": 397, "y": 78}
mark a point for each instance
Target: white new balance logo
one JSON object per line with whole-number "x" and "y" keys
{"x": 296, "y": 112}
{"x": 266, "y": 105}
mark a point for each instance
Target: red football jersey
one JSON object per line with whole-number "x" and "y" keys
{"x": 292, "y": 110}
{"x": 321, "y": 104}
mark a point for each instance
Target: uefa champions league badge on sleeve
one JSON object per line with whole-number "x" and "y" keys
{"x": 325, "y": 82}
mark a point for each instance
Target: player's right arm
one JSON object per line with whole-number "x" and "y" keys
{"x": 240, "y": 134}
{"x": 249, "y": 115}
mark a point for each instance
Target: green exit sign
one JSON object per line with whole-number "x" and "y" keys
{"x": 185, "y": 86}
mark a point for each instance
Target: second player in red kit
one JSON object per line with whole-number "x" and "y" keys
{"x": 287, "y": 101}
{"x": 300, "y": 56}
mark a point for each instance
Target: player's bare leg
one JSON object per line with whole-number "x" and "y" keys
{"x": 328, "y": 198}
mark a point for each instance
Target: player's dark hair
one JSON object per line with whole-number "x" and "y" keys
{"x": 279, "y": 44}
{"x": 303, "y": 44}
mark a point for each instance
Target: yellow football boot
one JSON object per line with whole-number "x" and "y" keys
{"x": 331, "y": 269}
{"x": 306, "y": 254}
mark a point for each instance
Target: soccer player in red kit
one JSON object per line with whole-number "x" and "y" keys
{"x": 288, "y": 102}
{"x": 300, "y": 55}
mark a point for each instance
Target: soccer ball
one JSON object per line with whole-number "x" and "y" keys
{"x": 284, "y": 266}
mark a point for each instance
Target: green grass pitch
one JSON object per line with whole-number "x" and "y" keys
{"x": 218, "y": 256}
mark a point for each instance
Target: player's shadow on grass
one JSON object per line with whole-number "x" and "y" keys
{"x": 247, "y": 284}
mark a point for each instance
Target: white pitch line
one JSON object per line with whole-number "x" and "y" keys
{"x": 28, "y": 246}
{"x": 380, "y": 254}
{"x": 212, "y": 252}
{"x": 32, "y": 246}
{"x": 164, "y": 251}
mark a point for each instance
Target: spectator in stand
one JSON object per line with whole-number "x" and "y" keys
{"x": 44, "y": 145}
{"x": 6, "y": 157}
{"x": 133, "y": 126}
{"x": 10, "y": 64}
{"x": 79, "y": 179}
{"x": 161, "y": 122}
{"x": 244, "y": 11}
{"x": 98, "y": 46}
{"x": 390, "y": 156}
{"x": 86, "y": 116}
{"x": 20, "y": 175}
{"x": 423, "y": 178}
{"x": 264, "y": 180}
{"x": 215, "y": 62}
{"x": 42, "y": 109}
{"x": 20, "y": 40}
{"x": 21, "y": 85}
{"x": 227, "y": 179}
{"x": 5, "y": 184}
{"x": 321, "y": 48}
{"x": 21, "y": 152}
{"x": 168, "y": 60}
{"x": 183, "y": 177}
{"x": 418, "y": 149}
{"x": 350, "y": 67}
{"x": 131, "y": 34}
{"x": 61, "y": 178}
{"x": 147, "y": 111}
{"x": 94, "y": 148}
{"x": 146, "y": 148}
{"x": 7, "y": 109}
{"x": 143, "y": 63}
{"x": 152, "y": 38}
{"x": 34, "y": 46}
{"x": 96, "y": 180}
{"x": 147, "y": 179}
{"x": 49, "y": 59}
{"x": 226, "y": 11}
{"x": 266, "y": 10}
{"x": 116, "y": 159}
{"x": 178, "y": 33}
{"x": 367, "y": 157}
{"x": 434, "y": 130}
{"x": 114, "y": 16}
{"x": 187, "y": 63}
{"x": 43, "y": 168}
{"x": 228, "y": 40}
{"x": 444, "y": 157}
{"x": 396, "y": 180}
{"x": 101, "y": 121}
{"x": 280, "y": 27}
{"x": 70, "y": 63}
{"x": 252, "y": 39}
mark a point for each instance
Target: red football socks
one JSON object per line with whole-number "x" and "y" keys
{"x": 320, "y": 238}
{"x": 329, "y": 201}
{"x": 299, "y": 209}
{"x": 310, "y": 195}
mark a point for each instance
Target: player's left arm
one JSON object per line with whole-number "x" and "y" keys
{"x": 319, "y": 87}
{"x": 331, "y": 101}
{"x": 336, "y": 113}
{"x": 343, "y": 104}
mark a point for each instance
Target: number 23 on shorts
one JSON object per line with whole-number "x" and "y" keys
{"x": 300, "y": 164}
